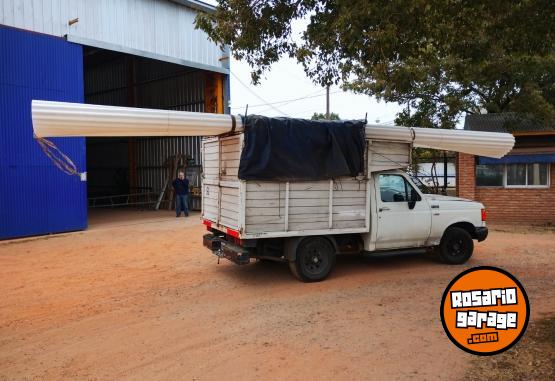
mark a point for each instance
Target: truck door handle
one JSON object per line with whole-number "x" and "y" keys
{"x": 383, "y": 208}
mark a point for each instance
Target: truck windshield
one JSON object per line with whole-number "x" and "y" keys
{"x": 423, "y": 187}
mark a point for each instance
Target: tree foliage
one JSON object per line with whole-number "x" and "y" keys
{"x": 439, "y": 57}
{"x": 321, "y": 116}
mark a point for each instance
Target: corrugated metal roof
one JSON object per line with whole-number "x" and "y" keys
{"x": 197, "y": 5}
{"x": 163, "y": 30}
{"x": 36, "y": 197}
{"x": 505, "y": 122}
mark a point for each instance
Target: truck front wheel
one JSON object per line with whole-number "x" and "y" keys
{"x": 314, "y": 260}
{"x": 456, "y": 246}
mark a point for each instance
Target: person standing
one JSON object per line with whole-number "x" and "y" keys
{"x": 181, "y": 187}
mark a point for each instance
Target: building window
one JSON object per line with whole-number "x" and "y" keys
{"x": 538, "y": 174}
{"x": 513, "y": 175}
{"x": 488, "y": 175}
{"x": 516, "y": 174}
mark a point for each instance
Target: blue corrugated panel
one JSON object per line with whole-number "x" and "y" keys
{"x": 36, "y": 197}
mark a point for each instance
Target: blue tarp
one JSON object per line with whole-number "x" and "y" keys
{"x": 519, "y": 159}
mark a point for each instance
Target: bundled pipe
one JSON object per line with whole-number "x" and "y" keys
{"x": 52, "y": 119}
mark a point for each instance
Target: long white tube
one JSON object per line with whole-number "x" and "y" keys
{"x": 52, "y": 119}
{"x": 491, "y": 144}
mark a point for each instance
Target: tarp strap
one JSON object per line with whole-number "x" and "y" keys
{"x": 233, "y": 124}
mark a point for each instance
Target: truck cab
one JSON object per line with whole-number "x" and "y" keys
{"x": 405, "y": 217}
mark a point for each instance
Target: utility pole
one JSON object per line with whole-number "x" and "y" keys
{"x": 328, "y": 102}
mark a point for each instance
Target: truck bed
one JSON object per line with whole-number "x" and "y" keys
{"x": 254, "y": 209}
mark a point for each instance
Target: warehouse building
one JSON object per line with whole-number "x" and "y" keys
{"x": 138, "y": 53}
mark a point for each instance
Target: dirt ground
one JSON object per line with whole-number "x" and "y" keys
{"x": 137, "y": 297}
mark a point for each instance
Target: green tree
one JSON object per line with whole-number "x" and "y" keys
{"x": 321, "y": 116}
{"x": 439, "y": 57}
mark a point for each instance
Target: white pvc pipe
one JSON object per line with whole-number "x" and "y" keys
{"x": 491, "y": 144}
{"x": 52, "y": 119}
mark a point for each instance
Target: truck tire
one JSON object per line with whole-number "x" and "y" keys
{"x": 456, "y": 246}
{"x": 314, "y": 260}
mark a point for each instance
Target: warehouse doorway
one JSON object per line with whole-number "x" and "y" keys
{"x": 132, "y": 173}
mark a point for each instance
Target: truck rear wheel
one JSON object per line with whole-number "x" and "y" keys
{"x": 314, "y": 260}
{"x": 456, "y": 246}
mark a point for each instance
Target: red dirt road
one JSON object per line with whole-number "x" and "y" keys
{"x": 142, "y": 299}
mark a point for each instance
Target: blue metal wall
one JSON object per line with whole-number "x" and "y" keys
{"x": 35, "y": 197}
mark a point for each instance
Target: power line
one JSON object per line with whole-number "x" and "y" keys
{"x": 287, "y": 101}
{"x": 256, "y": 95}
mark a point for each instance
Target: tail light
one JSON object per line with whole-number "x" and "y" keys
{"x": 233, "y": 236}
{"x": 208, "y": 224}
{"x": 484, "y": 215}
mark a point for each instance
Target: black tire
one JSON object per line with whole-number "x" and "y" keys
{"x": 315, "y": 258}
{"x": 456, "y": 246}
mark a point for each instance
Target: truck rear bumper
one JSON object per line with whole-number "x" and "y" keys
{"x": 481, "y": 233}
{"x": 223, "y": 249}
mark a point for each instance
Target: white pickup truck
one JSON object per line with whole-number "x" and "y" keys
{"x": 308, "y": 223}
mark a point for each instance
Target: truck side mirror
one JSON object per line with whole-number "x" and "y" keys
{"x": 413, "y": 198}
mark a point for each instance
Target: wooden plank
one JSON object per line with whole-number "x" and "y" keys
{"x": 231, "y": 149}
{"x": 273, "y": 203}
{"x": 308, "y": 226}
{"x": 229, "y": 141}
{"x": 211, "y": 156}
{"x": 210, "y": 201}
{"x": 231, "y": 156}
{"x": 212, "y": 210}
{"x": 309, "y": 218}
{"x": 230, "y": 174}
{"x": 353, "y": 216}
{"x": 230, "y": 163}
{"x": 302, "y": 226}
{"x": 348, "y": 224}
{"x": 210, "y": 164}
{"x": 232, "y": 215}
{"x": 330, "y": 206}
{"x": 230, "y": 199}
{"x": 206, "y": 181}
{"x": 265, "y": 211}
{"x": 228, "y": 222}
{"x": 338, "y": 185}
{"x": 287, "y": 194}
{"x": 251, "y": 220}
{"x": 211, "y": 191}
{"x": 263, "y": 196}
{"x": 325, "y": 194}
{"x": 263, "y": 186}
{"x": 210, "y": 149}
{"x": 309, "y": 210}
{"x": 259, "y": 228}
{"x": 230, "y": 191}
{"x": 349, "y": 201}
{"x": 230, "y": 184}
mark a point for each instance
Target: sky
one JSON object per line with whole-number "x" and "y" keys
{"x": 286, "y": 83}
{"x": 278, "y": 93}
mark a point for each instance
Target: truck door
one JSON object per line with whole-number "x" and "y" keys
{"x": 398, "y": 226}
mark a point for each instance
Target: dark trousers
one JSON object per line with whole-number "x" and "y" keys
{"x": 181, "y": 205}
